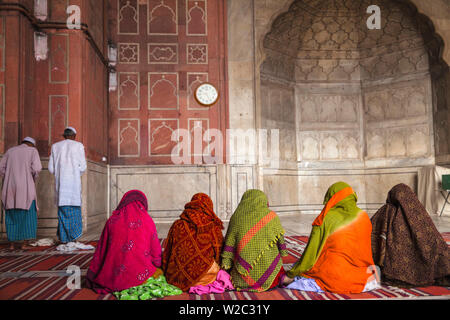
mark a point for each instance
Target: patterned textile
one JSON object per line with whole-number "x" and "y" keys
{"x": 128, "y": 252}
{"x": 220, "y": 285}
{"x": 70, "y": 223}
{"x": 406, "y": 244}
{"x": 193, "y": 244}
{"x": 339, "y": 252}
{"x": 254, "y": 244}
{"x": 154, "y": 287}
{"x": 21, "y": 224}
{"x": 40, "y": 274}
{"x": 304, "y": 284}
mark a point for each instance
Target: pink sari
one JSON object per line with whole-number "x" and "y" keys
{"x": 128, "y": 252}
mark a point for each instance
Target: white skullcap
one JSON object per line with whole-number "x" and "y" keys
{"x": 30, "y": 140}
{"x": 73, "y": 129}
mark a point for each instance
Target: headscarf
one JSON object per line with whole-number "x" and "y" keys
{"x": 406, "y": 244}
{"x": 193, "y": 244}
{"x": 131, "y": 196}
{"x": 200, "y": 213}
{"x": 128, "y": 251}
{"x": 254, "y": 243}
{"x": 338, "y": 252}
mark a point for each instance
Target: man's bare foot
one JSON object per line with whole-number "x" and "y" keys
{"x": 287, "y": 281}
{"x": 11, "y": 247}
{"x": 26, "y": 246}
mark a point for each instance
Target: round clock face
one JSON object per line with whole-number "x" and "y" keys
{"x": 206, "y": 94}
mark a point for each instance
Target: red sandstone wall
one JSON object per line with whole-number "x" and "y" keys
{"x": 165, "y": 50}
{"x": 40, "y": 98}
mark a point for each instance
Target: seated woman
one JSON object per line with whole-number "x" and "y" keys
{"x": 192, "y": 249}
{"x": 338, "y": 255}
{"x": 254, "y": 245}
{"x": 406, "y": 244}
{"x": 128, "y": 252}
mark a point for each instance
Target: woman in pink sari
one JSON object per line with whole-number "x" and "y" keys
{"x": 128, "y": 252}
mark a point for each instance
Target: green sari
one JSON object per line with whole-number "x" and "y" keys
{"x": 254, "y": 244}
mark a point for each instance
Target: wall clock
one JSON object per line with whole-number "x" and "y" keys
{"x": 206, "y": 94}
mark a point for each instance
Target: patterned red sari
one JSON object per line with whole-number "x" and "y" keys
{"x": 193, "y": 244}
{"x": 129, "y": 251}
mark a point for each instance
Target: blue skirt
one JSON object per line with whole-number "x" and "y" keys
{"x": 70, "y": 223}
{"x": 21, "y": 224}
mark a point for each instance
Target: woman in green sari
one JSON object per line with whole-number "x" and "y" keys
{"x": 254, "y": 245}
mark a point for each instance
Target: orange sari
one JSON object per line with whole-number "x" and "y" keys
{"x": 339, "y": 253}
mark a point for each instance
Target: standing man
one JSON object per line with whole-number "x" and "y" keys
{"x": 68, "y": 162}
{"x": 20, "y": 167}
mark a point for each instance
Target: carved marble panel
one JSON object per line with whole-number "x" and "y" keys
{"x": 328, "y": 108}
{"x": 329, "y": 145}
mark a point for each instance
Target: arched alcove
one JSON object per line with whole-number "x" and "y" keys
{"x": 362, "y": 98}
{"x": 371, "y": 106}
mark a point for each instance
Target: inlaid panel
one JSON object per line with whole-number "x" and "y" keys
{"x": 58, "y": 117}
{"x": 163, "y": 53}
{"x": 160, "y": 134}
{"x": 162, "y": 17}
{"x": 163, "y": 91}
{"x": 59, "y": 58}
{"x": 129, "y": 142}
{"x": 2, "y": 44}
{"x": 128, "y": 53}
{"x": 129, "y": 90}
{"x": 197, "y": 17}
{"x": 165, "y": 50}
{"x": 197, "y": 53}
{"x": 194, "y": 80}
{"x": 128, "y": 17}
{"x": 197, "y": 128}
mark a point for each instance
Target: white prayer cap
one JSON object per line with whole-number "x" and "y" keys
{"x": 72, "y": 129}
{"x": 30, "y": 140}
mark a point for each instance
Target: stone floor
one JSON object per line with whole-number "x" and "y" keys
{"x": 295, "y": 224}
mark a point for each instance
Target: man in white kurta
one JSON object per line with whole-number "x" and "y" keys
{"x": 68, "y": 163}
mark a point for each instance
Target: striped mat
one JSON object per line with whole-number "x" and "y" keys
{"x": 40, "y": 274}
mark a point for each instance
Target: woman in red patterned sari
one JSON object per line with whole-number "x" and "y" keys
{"x": 193, "y": 246}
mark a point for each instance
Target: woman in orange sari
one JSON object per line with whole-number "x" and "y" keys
{"x": 338, "y": 257}
{"x": 193, "y": 246}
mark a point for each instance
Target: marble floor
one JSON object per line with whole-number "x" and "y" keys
{"x": 295, "y": 224}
